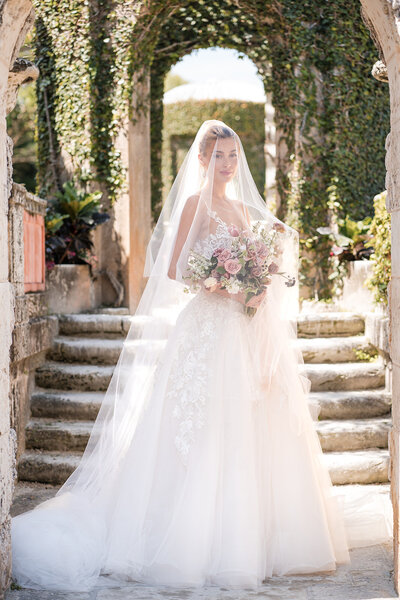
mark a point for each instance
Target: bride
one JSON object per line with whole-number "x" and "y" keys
{"x": 203, "y": 466}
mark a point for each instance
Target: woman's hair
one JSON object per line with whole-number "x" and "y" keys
{"x": 212, "y": 134}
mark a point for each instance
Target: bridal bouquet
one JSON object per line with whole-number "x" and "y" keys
{"x": 243, "y": 260}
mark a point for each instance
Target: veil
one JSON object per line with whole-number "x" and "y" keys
{"x": 190, "y": 225}
{"x": 215, "y": 236}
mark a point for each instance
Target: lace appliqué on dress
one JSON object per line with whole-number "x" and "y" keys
{"x": 188, "y": 379}
{"x": 221, "y": 238}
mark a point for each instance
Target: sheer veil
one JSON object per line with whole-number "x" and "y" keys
{"x": 213, "y": 215}
{"x": 187, "y": 218}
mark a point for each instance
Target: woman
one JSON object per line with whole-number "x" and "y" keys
{"x": 203, "y": 466}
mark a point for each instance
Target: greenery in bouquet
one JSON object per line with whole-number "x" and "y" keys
{"x": 243, "y": 261}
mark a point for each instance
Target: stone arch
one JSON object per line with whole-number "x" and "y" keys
{"x": 16, "y": 17}
{"x": 383, "y": 19}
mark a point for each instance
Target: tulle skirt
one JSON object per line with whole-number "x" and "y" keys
{"x": 216, "y": 487}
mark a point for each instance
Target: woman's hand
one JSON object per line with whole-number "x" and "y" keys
{"x": 255, "y": 301}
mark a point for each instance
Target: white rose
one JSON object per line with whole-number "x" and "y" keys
{"x": 210, "y": 282}
{"x": 234, "y": 287}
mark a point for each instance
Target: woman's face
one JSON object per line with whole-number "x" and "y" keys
{"x": 226, "y": 159}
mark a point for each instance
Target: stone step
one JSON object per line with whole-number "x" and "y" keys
{"x": 91, "y": 350}
{"x": 334, "y": 349}
{"x": 47, "y": 467}
{"x": 94, "y": 350}
{"x": 308, "y": 325}
{"x": 101, "y": 324}
{"x": 98, "y": 323}
{"x": 361, "y": 466}
{"x": 353, "y": 434}
{"x": 359, "y": 404}
{"x": 66, "y": 405}
{"x": 329, "y": 324}
{"x": 111, "y": 310}
{"x": 46, "y": 434}
{"x": 78, "y": 376}
{"x": 81, "y": 405}
{"x": 358, "y": 466}
{"x": 345, "y": 376}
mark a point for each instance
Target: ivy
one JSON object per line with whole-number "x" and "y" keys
{"x": 381, "y": 258}
{"x": 314, "y": 58}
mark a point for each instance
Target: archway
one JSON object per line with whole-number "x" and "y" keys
{"x": 292, "y": 137}
{"x": 385, "y": 21}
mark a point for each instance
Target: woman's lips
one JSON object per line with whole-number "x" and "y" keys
{"x": 226, "y": 172}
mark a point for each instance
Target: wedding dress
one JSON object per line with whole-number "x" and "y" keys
{"x": 204, "y": 466}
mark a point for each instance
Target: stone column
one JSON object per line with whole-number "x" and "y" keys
{"x": 270, "y": 155}
{"x": 139, "y": 190}
{"x": 16, "y": 18}
{"x": 383, "y": 19}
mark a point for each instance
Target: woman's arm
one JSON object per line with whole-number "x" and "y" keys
{"x": 187, "y": 216}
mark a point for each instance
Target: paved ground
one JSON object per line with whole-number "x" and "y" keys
{"x": 368, "y": 577}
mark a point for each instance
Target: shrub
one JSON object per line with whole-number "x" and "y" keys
{"x": 381, "y": 258}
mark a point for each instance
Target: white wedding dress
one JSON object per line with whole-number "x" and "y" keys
{"x": 215, "y": 487}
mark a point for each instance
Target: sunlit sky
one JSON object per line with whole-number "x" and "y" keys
{"x": 216, "y": 63}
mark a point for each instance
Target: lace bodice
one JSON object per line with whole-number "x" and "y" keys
{"x": 221, "y": 237}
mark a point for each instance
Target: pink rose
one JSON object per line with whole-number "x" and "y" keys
{"x": 233, "y": 230}
{"x": 232, "y": 266}
{"x": 251, "y": 252}
{"x": 262, "y": 250}
{"x": 256, "y": 271}
{"x": 224, "y": 255}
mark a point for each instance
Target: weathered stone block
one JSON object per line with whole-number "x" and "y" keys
{"x": 69, "y": 289}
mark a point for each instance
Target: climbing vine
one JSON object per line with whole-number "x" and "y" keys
{"x": 314, "y": 58}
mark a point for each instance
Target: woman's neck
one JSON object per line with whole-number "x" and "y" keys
{"x": 218, "y": 192}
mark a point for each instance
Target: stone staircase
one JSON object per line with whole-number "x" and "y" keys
{"x": 355, "y": 410}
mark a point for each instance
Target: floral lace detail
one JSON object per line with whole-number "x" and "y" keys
{"x": 190, "y": 369}
{"x": 221, "y": 238}
{"x": 189, "y": 380}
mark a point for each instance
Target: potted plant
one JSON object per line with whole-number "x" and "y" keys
{"x": 70, "y": 218}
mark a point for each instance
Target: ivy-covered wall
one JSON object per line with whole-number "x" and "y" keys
{"x": 315, "y": 58}
{"x": 181, "y": 123}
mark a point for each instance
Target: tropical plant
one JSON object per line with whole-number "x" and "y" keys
{"x": 351, "y": 240}
{"x": 70, "y": 217}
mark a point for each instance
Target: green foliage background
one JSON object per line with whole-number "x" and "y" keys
{"x": 381, "y": 259}
{"x": 315, "y": 58}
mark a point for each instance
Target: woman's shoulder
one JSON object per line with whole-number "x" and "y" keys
{"x": 192, "y": 203}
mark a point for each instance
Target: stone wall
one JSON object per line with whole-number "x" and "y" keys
{"x": 33, "y": 328}
{"x": 16, "y": 18}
